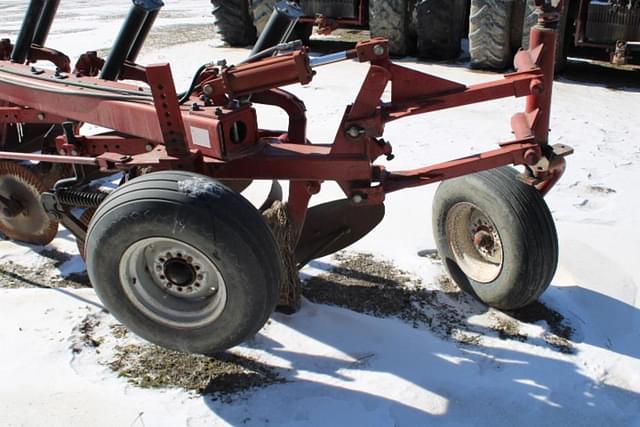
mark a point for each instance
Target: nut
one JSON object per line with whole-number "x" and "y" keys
{"x": 378, "y": 50}
{"x": 355, "y": 132}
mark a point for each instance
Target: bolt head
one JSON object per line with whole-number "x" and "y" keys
{"x": 208, "y": 90}
{"x": 378, "y": 50}
{"x": 148, "y": 147}
{"x": 62, "y": 152}
{"x": 74, "y": 152}
{"x": 40, "y": 116}
{"x": 354, "y": 132}
{"x": 357, "y": 199}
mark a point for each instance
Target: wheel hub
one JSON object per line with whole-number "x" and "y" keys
{"x": 475, "y": 242}
{"x": 485, "y": 238}
{"x": 179, "y": 272}
{"x": 173, "y": 282}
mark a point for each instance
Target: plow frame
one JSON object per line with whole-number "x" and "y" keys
{"x": 153, "y": 130}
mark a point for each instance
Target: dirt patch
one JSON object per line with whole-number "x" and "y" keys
{"x": 144, "y": 365}
{"x": 560, "y": 331}
{"x": 431, "y": 254}
{"x": 86, "y": 333}
{"x": 366, "y": 284}
{"x": 172, "y": 35}
{"x": 57, "y": 257}
{"x": 369, "y": 285}
{"x": 508, "y": 329}
{"x": 223, "y": 376}
{"x": 601, "y": 189}
{"x": 14, "y": 276}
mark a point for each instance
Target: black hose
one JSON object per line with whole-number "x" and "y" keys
{"x": 184, "y": 96}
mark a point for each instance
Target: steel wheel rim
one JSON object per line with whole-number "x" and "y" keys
{"x": 172, "y": 282}
{"x": 475, "y": 242}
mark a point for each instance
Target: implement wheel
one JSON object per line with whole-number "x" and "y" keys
{"x": 184, "y": 262}
{"x": 496, "y": 237}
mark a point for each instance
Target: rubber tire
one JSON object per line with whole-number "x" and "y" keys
{"x": 490, "y": 34}
{"x": 262, "y": 10}
{"x": 525, "y": 226}
{"x": 217, "y": 221}
{"x": 517, "y": 24}
{"x": 530, "y": 19}
{"x": 440, "y": 28}
{"x": 390, "y": 19}
{"x": 233, "y": 22}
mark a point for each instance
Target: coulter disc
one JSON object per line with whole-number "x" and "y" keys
{"x": 26, "y": 220}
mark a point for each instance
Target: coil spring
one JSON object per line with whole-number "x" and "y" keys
{"x": 80, "y": 199}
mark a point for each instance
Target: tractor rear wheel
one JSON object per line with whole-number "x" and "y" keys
{"x": 184, "y": 262}
{"x": 490, "y": 33}
{"x": 390, "y": 19}
{"x": 233, "y": 22}
{"x": 440, "y": 28}
{"x": 496, "y": 237}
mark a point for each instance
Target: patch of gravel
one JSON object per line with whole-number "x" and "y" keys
{"x": 366, "y": 284}
{"x": 13, "y": 276}
{"x": 223, "y": 377}
{"x": 560, "y": 331}
{"x": 369, "y": 285}
{"x": 508, "y": 329}
{"x": 172, "y": 35}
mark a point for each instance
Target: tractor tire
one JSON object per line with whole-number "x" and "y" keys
{"x": 490, "y": 33}
{"x": 233, "y": 22}
{"x": 184, "y": 262}
{"x": 391, "y": 19}
{"x": 517, "y": 24}
{"x": 530, "y": 19}
{"x": 496, "y": 237}
{"x": 440, "y": 28}
{"x": 262, "y": 10}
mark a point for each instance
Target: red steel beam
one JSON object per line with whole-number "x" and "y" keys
{"x": 512, "y": 153}
{"x": 516, "y": 85}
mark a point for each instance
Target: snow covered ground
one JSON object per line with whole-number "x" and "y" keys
{"x": 344, "y": 368}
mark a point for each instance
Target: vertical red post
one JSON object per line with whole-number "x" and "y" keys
{"x": 544, "y": 33}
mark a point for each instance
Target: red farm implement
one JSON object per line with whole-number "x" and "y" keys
{"x": 177, "y": 254}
